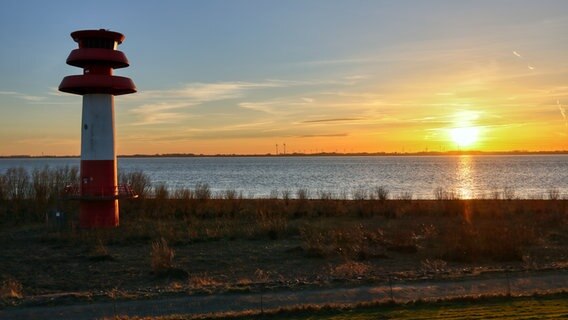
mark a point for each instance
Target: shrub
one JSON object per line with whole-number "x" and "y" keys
{"x": 202, "y": 191}
{"x": 271, "y": 224}
{"x": 351, "y": 243}
{"x": 17, "y": 183}
{"x": 40, "y": 185}
{"x": 508, "y": 193}
{"x": 3, "y": 192}
{"x": 11, "y": 289}
{"x": 350, "y": 269}
{"x": 62, "y": 178}
{"x": 324, "y": 195}
{"x": 183, "y": 194}
{"x": 381, "y": 193}
{"x": 442, "y": 194}
{"x": 138, "y": 181}
{"x": 553, "y": 194}
{"x": 433, "y": 266}
{"x": 407, "y": 196}
{"x": 161, "y": 191}
{"x": 496, "y": 240}
{"x": 162, "y": 256}
{"x": 232, "y": 195}
{"x": 273, "y": 194}
{"x": 201, "y": 282}
{"x": 302, "y": 194}
{"x": 359, "y": 194}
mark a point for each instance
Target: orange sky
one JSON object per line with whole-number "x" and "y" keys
{"x": 323, "y": 76}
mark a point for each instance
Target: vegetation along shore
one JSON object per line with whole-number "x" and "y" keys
{"x": 194, "y": 241}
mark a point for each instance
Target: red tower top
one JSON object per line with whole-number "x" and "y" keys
{"x": 97, "y": 55}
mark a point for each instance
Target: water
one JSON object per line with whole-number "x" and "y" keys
{"x": 528, "y": 176}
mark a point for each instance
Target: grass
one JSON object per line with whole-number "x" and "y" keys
{"x": 222, "y": 240}
{"x": 554, "y": 307}
{"x": 162, "y": 256}
{"x": 535, "y": 307}
{"x": 452, "y": 230}
{"x": 10, "y": 289}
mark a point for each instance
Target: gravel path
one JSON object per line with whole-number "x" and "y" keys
{"x": 514, "y": 283}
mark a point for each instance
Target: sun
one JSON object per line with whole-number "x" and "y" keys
{"x": 464, "y": 136}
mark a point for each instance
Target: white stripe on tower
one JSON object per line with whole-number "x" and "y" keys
{"x": 97, "y": 138}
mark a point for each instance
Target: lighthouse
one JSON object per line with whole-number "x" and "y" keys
{"x": 99, "y": 191}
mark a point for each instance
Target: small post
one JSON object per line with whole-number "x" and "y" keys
{"x": 508, "y": 283}
{"x": 391, "y": 291}
{"x": 261, "y": 302}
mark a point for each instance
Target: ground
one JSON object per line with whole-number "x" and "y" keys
{"x": 300, "y": 250}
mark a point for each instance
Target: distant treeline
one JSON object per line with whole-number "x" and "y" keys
{"x": 318, "y": 154}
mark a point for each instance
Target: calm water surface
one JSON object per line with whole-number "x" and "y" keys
{"x": 530, "y": 176}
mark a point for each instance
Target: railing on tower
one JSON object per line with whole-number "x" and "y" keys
{"x": 122, "y": 191}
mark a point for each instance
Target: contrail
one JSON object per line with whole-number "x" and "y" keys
{"x": 563, "y": 112}
{"x": 518, "y": 55}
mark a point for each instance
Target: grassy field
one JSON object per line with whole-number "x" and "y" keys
{"x": 536, "y": 307}
{"x": 191, "y": 241}
{"x": 542, "y": 308}
{"x": 547, "y": 307}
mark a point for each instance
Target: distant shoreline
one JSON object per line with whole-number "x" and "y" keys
{"x": 321, "y": 154}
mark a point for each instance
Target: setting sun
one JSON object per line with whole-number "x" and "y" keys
{"x": 464, "y": 136}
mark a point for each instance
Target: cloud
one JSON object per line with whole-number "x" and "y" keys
{"x": 332, "y": 120}
{"x": 330, "y": 135}
{"x": 562, "y": 112}
{"x": 266, "y": 107}
{"x": 341, "y": 61}
{"x": 219, "y": 91}
{"x": 159, "y": 113}
{"x": 22, "y": 96}
{"x": 161, "y": 104}
{"x": 204, "y": 92}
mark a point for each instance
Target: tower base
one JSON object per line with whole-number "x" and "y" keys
{"x": 98, "y": 214}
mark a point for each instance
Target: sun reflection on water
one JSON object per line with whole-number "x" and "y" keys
{"x": 465, "y": 177}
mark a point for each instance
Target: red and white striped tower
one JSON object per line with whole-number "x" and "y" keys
{"x": 97, "y": 55}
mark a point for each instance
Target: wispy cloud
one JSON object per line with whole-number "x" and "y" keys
{"x": 22, "y": 96}
{"x": 266, "y": 106}
{"x": 159, "y": 113}
{"x": 204, "y": 92}
{"x": 324, "y": 135}
{"x": 340, "y": 61}
{"x": 562, "y": 112}
{"x": 331, "y": 120}
{"x": 160, "y": 104}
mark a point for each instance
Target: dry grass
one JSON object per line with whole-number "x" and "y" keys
{"x": 219, "y": 243}
{"x": 452, "y": 230}
{"x": 350, "y": 270}
{"x": 11, "y": 289}
{"x": 162, "y": 256}
{"x": 203, "y": 282}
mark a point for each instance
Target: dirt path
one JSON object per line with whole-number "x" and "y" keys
{"x": 515, "y": 284}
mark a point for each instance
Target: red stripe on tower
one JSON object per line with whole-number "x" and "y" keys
{"x": 97, "y": 55}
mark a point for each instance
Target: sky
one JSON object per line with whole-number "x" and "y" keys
{"x": 250, "y": 76}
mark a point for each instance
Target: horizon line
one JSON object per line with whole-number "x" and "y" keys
{"x": 301, "y": 154}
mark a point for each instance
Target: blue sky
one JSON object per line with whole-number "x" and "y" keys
{"x": 241, "y": 76}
